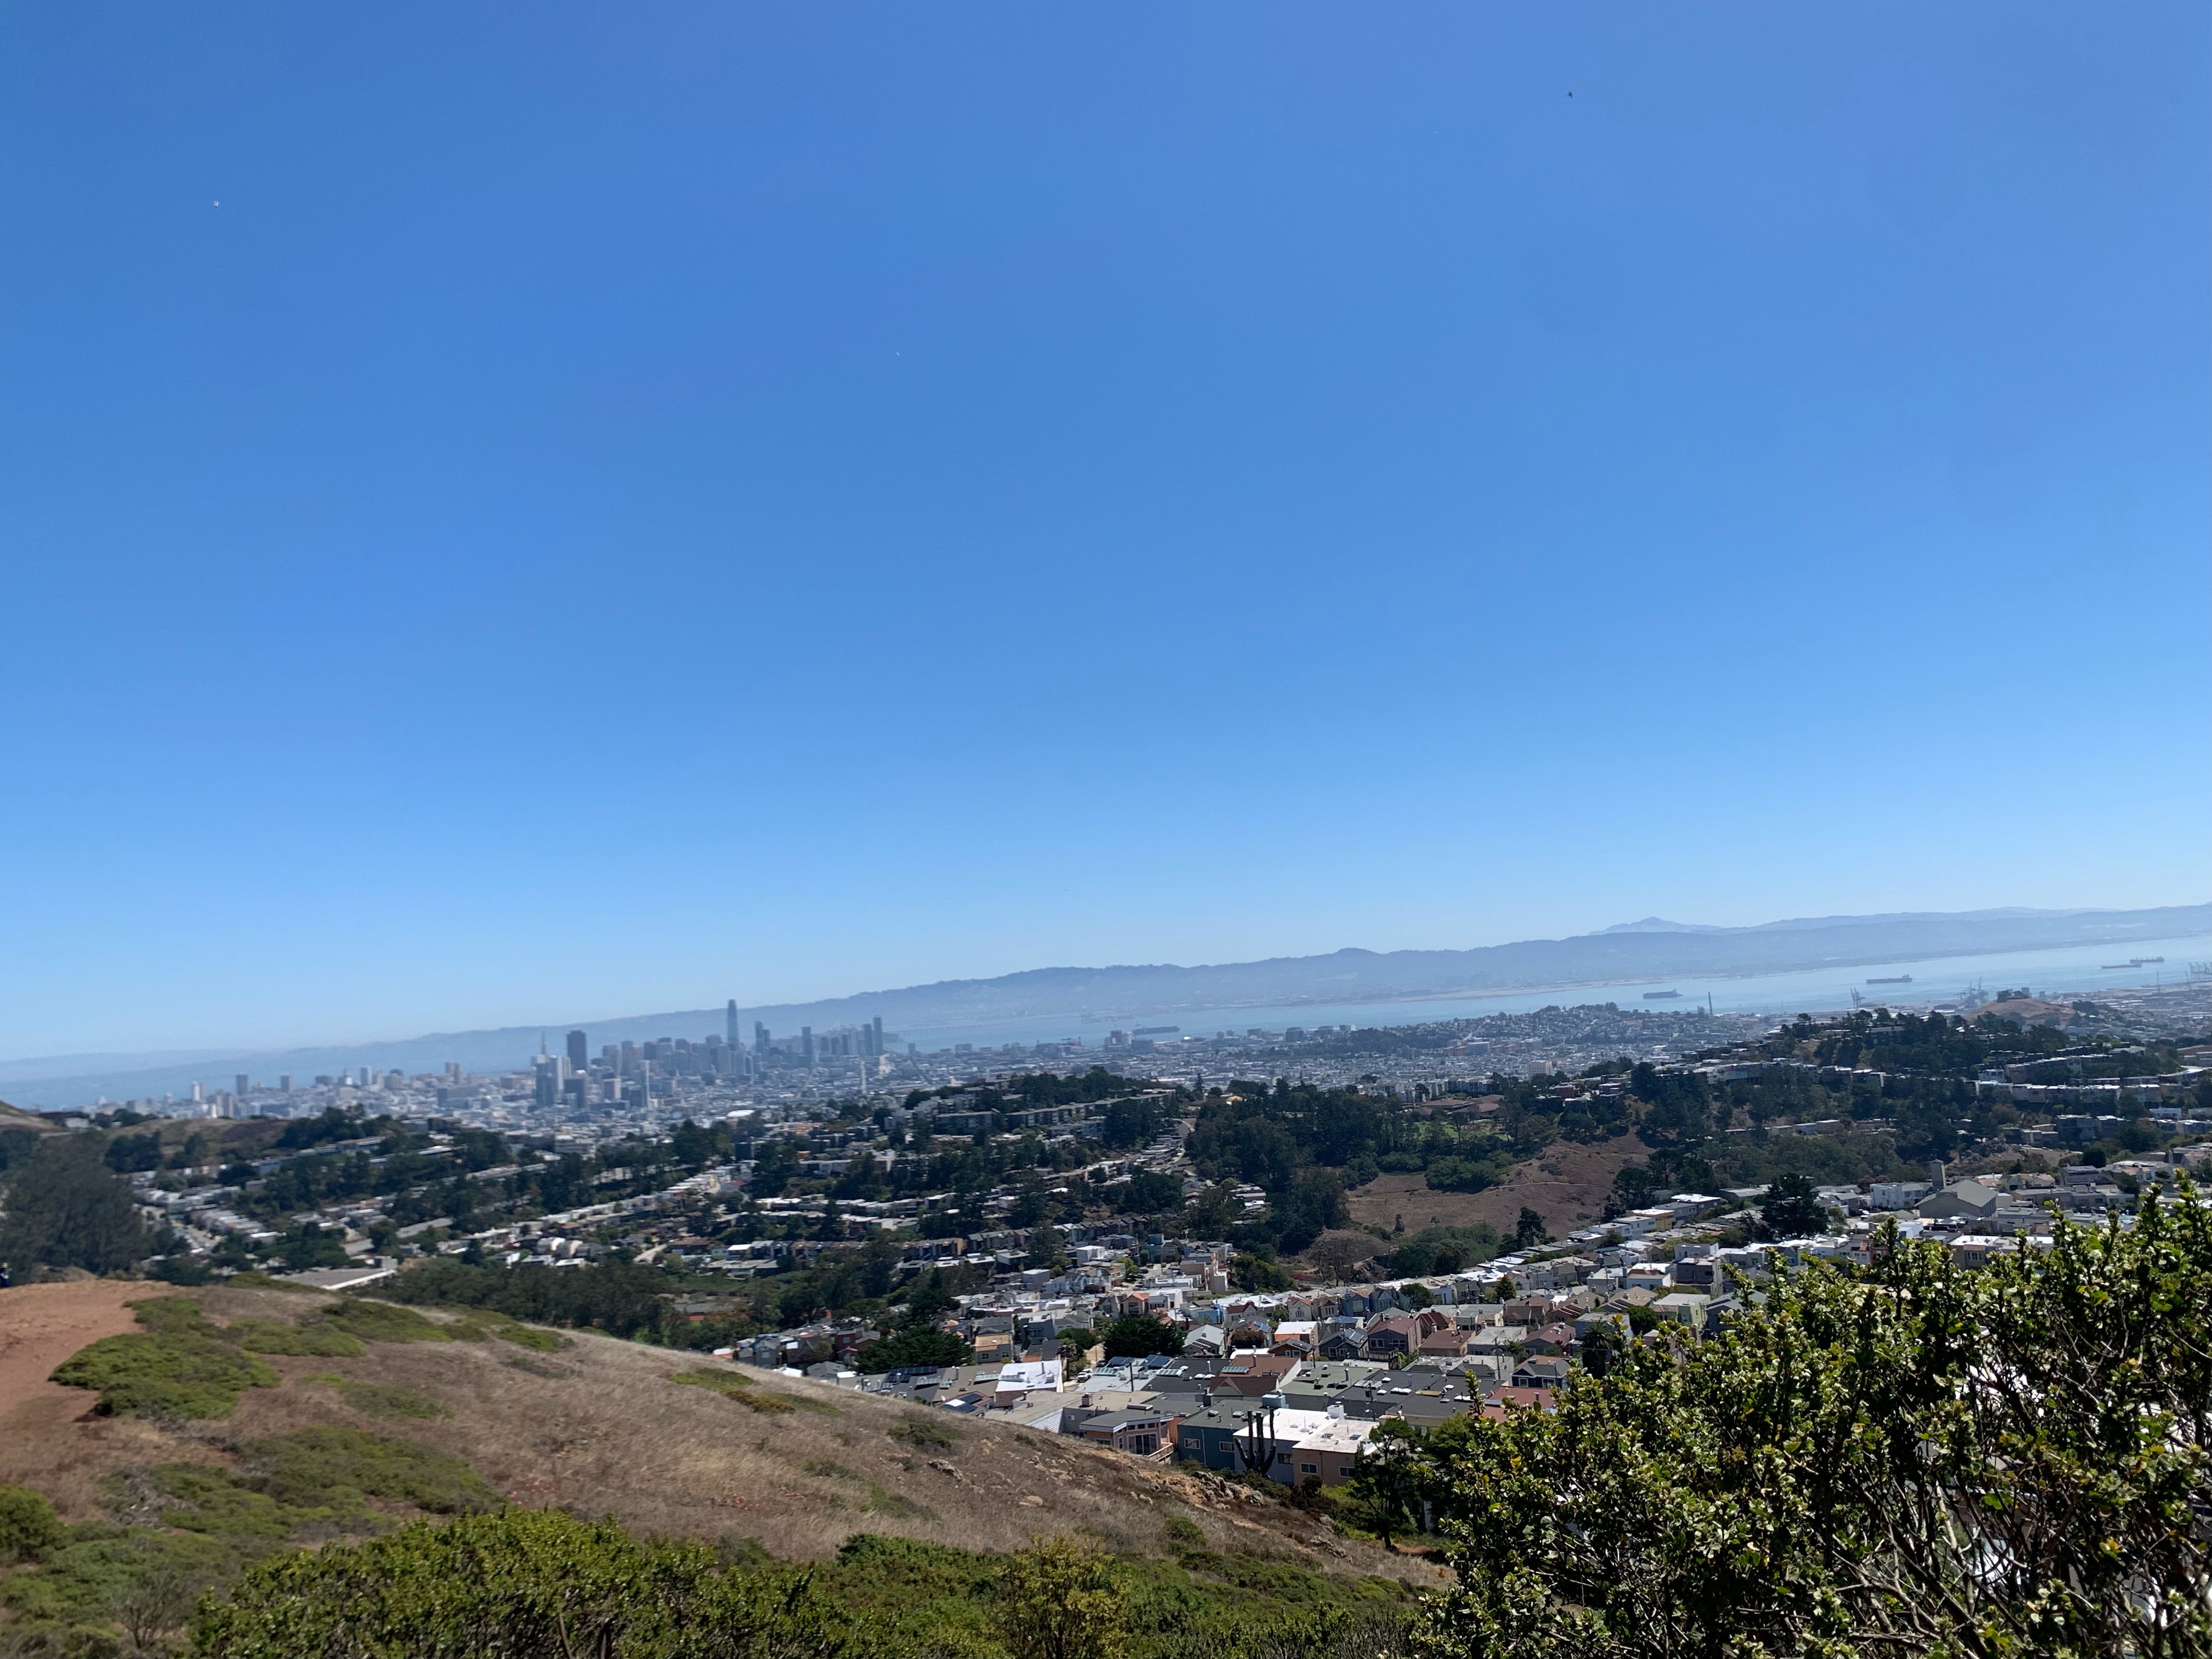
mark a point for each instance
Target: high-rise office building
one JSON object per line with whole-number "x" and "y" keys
{"x": 760, "y": 1039}
{"x": 730, "y": 1023}
{"x": 580, "y": 1052}
{"x": 284, "y": 1083}
{"x": 243, "y": 1085}
{"x": 806, "y": 1043}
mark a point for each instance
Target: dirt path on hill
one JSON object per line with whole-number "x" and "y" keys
{"x": 1567, "y": 1186}
{"x": 42, "y": 1325}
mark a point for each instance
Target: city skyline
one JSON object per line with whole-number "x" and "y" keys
{"x": 1817, "y": 963}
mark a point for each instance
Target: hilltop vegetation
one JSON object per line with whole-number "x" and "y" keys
{"x": 906, "y": 1520}
{"x": 529, "y": 1582}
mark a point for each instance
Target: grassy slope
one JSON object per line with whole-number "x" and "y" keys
{"x": 606, "y": 1432}
{"x": 1566, "y": 1185}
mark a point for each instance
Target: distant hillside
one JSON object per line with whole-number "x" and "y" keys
{"x": 14, "y": 1117}
{"x": 1633, "y": 953}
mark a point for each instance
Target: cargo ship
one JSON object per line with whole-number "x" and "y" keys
{"x": 1659, "y": 996}
{"x": 1894, "y": 979}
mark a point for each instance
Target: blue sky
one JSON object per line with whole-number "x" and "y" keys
{"x": 623, "y": 507}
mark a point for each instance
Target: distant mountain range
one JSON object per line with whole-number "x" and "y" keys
{"x": 1626, "y": 954}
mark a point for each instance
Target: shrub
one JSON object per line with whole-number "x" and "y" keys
{"x": 1060, "y": 1599}
{"x": 28, "y": 1525}
{"x": 312, "y": 1483}
{"x": 167, "y": 1375}
{"x": 924, "y": 1434}
{"x": 330, "y": 1467}
{"x": 524, "y": 1581}
{"x": 145, "y": 1582}
{"x": 732, "y": 1386}
{"x": 390, "y": 1399}
{"x": 1183, "y": 1535}
{"x": 1918, "y": 1457}
{"x": 316, "y": 1339}
{"x": 383, "y": 1322}
{"x": 202, "y": 1498}
{"x": 173, "y": 1314}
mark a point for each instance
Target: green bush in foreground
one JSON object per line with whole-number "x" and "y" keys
{"x": 28, "y": 1525}
{"x": 524, "y": 1584}
{"x": 165, "y": 1375}
{"x": 519, "y": 1585}
{"x": 1063, "y": 1600}
{"x": 1917, "y": 1459}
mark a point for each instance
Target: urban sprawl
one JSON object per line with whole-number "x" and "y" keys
{"x": 1160, "y": 1245}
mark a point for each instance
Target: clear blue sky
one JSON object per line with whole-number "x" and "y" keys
{"x": 621, "y": 506}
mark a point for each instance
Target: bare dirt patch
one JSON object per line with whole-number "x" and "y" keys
{"x": 1567, "y": 1186}
{"x": 42, "y": 1325}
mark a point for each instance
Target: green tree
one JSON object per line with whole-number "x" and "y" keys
{"x": 1529, "y": 1232}
{"x": 1134, "y": 1335}
{"x": 1248, "y": 1272}
{"x": 1601, "y": 1349}
{"x": 1389, "y": 1478}
{"x": 65, "y": 1208}
{"x": 1919, "y": 1458}
{"x": 912, "y": 1345}
{"x": 1061, "y": 1599}
{"x": 1792, "y": 1209}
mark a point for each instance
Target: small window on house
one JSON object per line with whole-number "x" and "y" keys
{"x": 1308, "y": 1469}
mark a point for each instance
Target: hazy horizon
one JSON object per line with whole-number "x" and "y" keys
{"x": 1593, "y": 978}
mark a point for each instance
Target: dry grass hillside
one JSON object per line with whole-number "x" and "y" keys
{"x": 1567, "y": 1186}
{"x": 597, "y": 1427}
